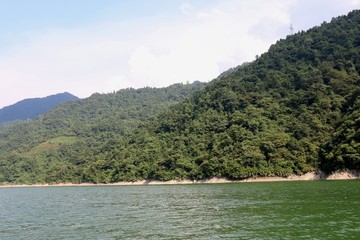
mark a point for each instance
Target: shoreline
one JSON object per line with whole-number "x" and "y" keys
{"x": 343, "y": 175}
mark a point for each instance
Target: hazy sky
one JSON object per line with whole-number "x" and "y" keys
{"x": 88, "y": 46}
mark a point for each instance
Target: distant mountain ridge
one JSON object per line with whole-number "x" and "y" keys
{"x": 33, "y": 107}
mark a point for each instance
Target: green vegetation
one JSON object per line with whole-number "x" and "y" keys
{"x": 70, "y": 141}
{"x": 295, "y": 109}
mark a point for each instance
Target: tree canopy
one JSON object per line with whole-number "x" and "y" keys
{"x": 293, "y": 110}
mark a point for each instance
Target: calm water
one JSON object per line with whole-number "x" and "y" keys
{"x": 279, "y": 210}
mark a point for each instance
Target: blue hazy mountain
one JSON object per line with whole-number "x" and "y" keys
{"x": 33, "y": 107}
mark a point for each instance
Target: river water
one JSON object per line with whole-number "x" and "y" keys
{"x": 268, "y": 210}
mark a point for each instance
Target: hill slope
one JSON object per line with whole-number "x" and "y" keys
{"x": 33, "y": 107}
{"x": 293, "y": 110}
{"x": 69, "y": 141}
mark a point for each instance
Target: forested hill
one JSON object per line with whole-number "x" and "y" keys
{"x": 293, "y": 110}
{"x": 33, "y": 107}
{"x": 76, "y": 134}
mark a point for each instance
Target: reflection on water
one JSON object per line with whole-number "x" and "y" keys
{"x": 281, "y": 210}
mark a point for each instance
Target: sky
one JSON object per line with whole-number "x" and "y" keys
{"x": 100, "y": 46}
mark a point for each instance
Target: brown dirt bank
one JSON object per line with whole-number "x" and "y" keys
{"x": 343, "y": 175}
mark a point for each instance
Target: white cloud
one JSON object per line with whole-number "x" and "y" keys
{"x": 198, "y": 45}
{"x": 215, "y": 40}
{"x": 79, "y": 61}
{"x": 176, "y": 66}
{"x": 186, "y": 8}
{"x": 208, "y": 14}
{"x": 309, "y": 13}
{"x": 136, "y": 54}
{"x": 114, "y": 83}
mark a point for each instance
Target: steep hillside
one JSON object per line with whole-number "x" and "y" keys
{"x": 293, "y": 110}
{"x": 33, "y": 107}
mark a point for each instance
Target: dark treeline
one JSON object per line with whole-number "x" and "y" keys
{"x": 293, "y": 110}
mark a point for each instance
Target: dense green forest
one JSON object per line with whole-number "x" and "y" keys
{"x": 295, "y": 109}
{"x": 75, "y": 137}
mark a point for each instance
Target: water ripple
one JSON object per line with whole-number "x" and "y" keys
{"x": 291, "y": 210}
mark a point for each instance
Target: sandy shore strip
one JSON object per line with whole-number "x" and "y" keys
{"x": 344, "y": 175}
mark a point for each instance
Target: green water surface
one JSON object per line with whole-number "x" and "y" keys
{"x": 271, "y": 210}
